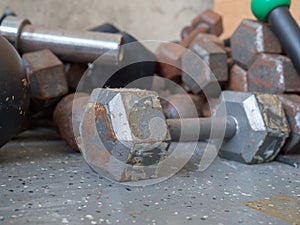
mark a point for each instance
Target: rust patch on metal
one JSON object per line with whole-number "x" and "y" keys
{"x": 101, "y": 114}
{"x": 63, "y": 117}
{"x": 92, "y": 152}
{"x": 276, "y": 123}
{"x": 238, "y": 79}
{"x": 282, "y": 207}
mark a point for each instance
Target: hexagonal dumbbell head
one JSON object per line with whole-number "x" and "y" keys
{"x": 208, "y": 38}
{"x": 238, "y": 79}
{"x": 189, "y": 37}
{"x": 291, "y": 105}
{"x": 46, "y": 75}
{"x": 274, "y": 74}
{"x": 169, "y": 59}
{"x": 123, "y": 133}
{"x": 262, "y": 127}
{"x": 251, "y": 38}
{"x": 68, "y": 115}
{"x": 210, "y": 19}
{"x": 201, "y": 74}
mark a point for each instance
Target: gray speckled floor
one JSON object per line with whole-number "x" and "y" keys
{"x": 43, "y": 182}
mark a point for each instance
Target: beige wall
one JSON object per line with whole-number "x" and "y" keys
{"x": 146, "y": 19}
{"x": 234, "y": 11}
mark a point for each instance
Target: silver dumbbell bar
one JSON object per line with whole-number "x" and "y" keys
{"x": 74, "y": 46}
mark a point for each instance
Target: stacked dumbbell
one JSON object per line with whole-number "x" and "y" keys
{"x": 125, "y": 135}
{"x": 54, "y": 61}
{"x": 201, "y": 38}
{"x": 262, "y": 63}
{"x": 257, "y": 60}
{"x": 122, "y": 132}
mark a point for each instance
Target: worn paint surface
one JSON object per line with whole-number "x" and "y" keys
{"x": 123, "y": 133}
{"x": 291, "y": 104}
{"x": 282, "y": 207}
{"x": 276, "y": 124}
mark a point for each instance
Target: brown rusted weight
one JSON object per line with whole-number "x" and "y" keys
{"x": 74, "y": 72}
{"x": 213, "y": 55}
{"x": 238, "y": 79}
{"x": 274, "y": 74}
{"x": 201, "y": 37}
{"x": 185, "y": 32}
{"x": 192, "y": 35}
{"x": 250, "y": 39}
{"x": 68, "y": 123}
{"x": 204, "y": 73}
{"x": 182, "y": 106}
{"x": 291, "y": 105}
{"x": 124, "y": 134}
{"x": 46, "y": 75}
{"x": 169, "y": 60}
{"x": 212, "y": 20}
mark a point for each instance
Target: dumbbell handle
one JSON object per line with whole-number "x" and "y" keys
{"x": 288, "y": 32}
{"x": 277, "y": 13}
{"x": 199, "y": 129}
{"x": 74, "y": 46}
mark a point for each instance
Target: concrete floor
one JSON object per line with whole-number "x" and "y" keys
{"x": 43, "y": 182}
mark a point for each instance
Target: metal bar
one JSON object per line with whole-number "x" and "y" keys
{"x": 74, "y": 46}
{"x": 199, "y": 129}
{"x": 288, "y": 32}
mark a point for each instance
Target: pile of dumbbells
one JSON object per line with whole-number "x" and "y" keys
{"x": 125, "y": 133}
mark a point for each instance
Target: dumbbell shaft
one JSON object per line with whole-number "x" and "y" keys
{"x": 199, "y": 129}
{"x": 71, "y": 46}
{"x": 288, "y": 32}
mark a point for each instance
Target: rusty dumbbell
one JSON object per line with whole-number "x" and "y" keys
{"x": 205, "y": 68}
{"x": 207, "y": 22}
{"x": 168, "y": 56}
{"x": 291, "y": 105}
{"x": 123, "y": 132}
{"x": 238, "y": 80}
{"x": 46, "y": 76}
{"x": 65, "y": 120}
{"x": 250, "y": 39}
{"x": 275, "y": 74}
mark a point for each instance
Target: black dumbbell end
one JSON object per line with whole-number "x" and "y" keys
{"x": 288, "y": 33}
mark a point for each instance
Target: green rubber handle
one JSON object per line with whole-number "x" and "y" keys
{"x": 262, "y": 8}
